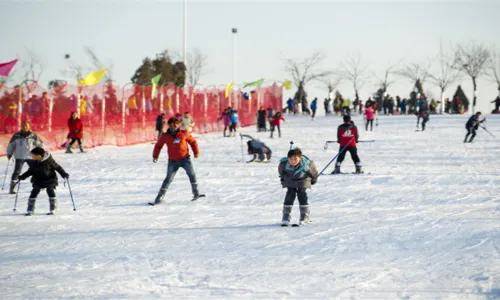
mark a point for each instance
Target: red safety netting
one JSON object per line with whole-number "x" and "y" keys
{"x": 122, "y": 116}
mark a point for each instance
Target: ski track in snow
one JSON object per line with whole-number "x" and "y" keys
{"x": 424, "y": 225}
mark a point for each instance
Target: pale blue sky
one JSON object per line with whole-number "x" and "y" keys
{"x": 125, "y": 32}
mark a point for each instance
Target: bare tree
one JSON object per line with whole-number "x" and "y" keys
{"x": 354, "y": 71}
{"x": 305, "y": 71}
{"x": 493, "y": 68}
{"x": 331, "y": 83}
{"x": 384, "y": 83}
{"x": 446, "y": 74}
{"x": 97, "y": 63}
{"x": 472, "y": 60}
{"x": 196, "y": 67}
{"x": 415, "y": 71}
{"x": 74, "y": 70}
{"x": 32, "y": 66}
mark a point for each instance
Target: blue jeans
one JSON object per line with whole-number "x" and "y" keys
{"x": 173, "y": 167}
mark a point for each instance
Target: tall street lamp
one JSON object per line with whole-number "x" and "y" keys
{"x": 234, "y": 31}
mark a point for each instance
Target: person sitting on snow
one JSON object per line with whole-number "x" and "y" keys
{"x": 259, "y": 150}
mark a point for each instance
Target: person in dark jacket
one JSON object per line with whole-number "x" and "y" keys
{"x": 42, "y": 170}
{"x": 347, "y": 136}
{"x": 424, "y": 115}
{"x": 259, "y": 150}
{"x": 472, "y": 125}
{"x": 297, "y": 174}
{"x": 261, "y": 119}
{"x": 160, "y": 121}
{"x": 20, "y": 146}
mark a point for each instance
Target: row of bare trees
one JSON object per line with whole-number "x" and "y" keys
{"x": 473, "y": 60}
{"x": 31, "y": 68}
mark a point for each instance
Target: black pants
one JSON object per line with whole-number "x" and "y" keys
{"x": 300, "y": 193}
{"x": 17, "y": 169}
{"x": 470, "y": 131}
{"x": 424, "y": 120}
{"x": 314, "y": 113}
{"x": 354, "y": 155}
{"x": 73, "y": 140}
{"x": 371, "y": 125}
{"x": 225, "y": 128}
{"x": 279, "y": 130}
{"x": 232, "y": 127}
{"x": 261, "y": 126}
{"x": 51, "y": 192}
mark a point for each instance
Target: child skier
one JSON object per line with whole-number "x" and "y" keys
{"x": 276, "y": 122}
{"x": 259, "y": 150}
{"x": 347, "y": 135}
{"x": 187, "y": 122}
{"x": 233, "y": 114}
{"x": 178, "y": 157}
{"x": 42, "y": 169}
{"x": 369, "y": 116}
{"x": 20, "y": 146}
{"x": 261, "y": 119}
{"x": 75, "y": 127}
{"x": 472, "y": 125}
{"x": 297, "y": 174}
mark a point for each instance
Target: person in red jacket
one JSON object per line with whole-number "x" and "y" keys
{"x": 178, "y": 157}
{"x": 75, "y": 127}
{"x": 276, "y": 122}
{"x": 347, "y": 135}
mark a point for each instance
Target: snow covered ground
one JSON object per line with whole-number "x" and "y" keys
{"x": 424, "y": 225}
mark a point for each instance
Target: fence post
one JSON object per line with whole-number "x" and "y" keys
{"x": 161, "y": 99}
{"x": 123, "y": 110}
{"x": 177, "y": 89}
{"x": 143, "y": 108}
{"x": 19, "y": 106}
{"x": 51, "y": 107}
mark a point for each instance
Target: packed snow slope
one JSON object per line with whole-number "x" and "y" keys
{"x": 423, "y": 225}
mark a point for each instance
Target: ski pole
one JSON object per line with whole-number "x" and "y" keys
{"x": 6, "y": 171}
{"x": 487, "y": 131}
{"x": 291, "y": 145}
{"x": 342, "y": 150}
{"x": 17, "y": 194}
{"x": 71, "y": 195}
{"x": 242, "y": 158}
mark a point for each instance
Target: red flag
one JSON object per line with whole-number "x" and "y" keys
{"x": 5, "y": 68}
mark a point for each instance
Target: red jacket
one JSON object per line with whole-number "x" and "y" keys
{"x": 177, "y": 145}
{"x": 347, "y": 134}
{"x": 276, "y": 121}
{"x": 75, "y": 127}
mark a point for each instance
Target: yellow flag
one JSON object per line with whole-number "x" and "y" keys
{"x": 93, "y": 77}
{"x": 228, "y": 88}
{"x": 287, "y": 84}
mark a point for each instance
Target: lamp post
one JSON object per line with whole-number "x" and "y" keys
{"x": 185, "y": 35}
{"x": 234, "y": 31}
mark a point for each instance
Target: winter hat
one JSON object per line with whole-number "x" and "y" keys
{"x": 38, "y": 151}
{"x": 347, "y": 118}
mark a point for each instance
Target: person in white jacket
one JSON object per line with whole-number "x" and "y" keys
{"x": 187, "y": 122}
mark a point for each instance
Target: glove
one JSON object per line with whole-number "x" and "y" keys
{"x": 155, "y": 160}
{"x": 313, "y": 182}
{"x": 65, "y": 176}
{"x": 196, "y": 155}
{"x": 9, "y": 157}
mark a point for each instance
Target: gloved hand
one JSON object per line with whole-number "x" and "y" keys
{"x": 65, "y": 176}
{"x": 197, "y": 155}
{"x": 9, "y": 157}
{"x": 155, "y": 160}
{"x": 313, "y": 182}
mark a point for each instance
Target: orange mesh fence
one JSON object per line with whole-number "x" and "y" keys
{"x": 121, "y": 116}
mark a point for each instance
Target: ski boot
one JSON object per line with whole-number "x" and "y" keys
{"x": 287, "y": 215}
{"x": 358, "y": 170}
{"x": 31, "y": 207}
{"x": 304, "y": 215}
{"x": 337, "y": 170}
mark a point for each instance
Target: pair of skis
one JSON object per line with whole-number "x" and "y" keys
{"x": 194, "y": 199}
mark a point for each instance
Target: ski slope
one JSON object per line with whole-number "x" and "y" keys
{"x": 424, "y": 225}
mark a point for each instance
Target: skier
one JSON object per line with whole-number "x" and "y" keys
{"x": 20, "y": 145}
{"x": 261, "y": 119}
{"x": 424, "y": 115}
{"x": 187, "y": 122}
{"x": 233, "y": 114}
{"x": 226, "y": 118}
{"x": 178, "y": 157}
{"x": 472, "y": 125}
{"x": 297, "y": 174}
{"x": 276, "y": 122}
{"x": 160, "y": 122}
{"x": 369, "y": 116}
{"x": 75, "y": 126}
{"x": 259, "y": 150}
{"x": 347, "y": 135}
{"x": 314, "y": 106}
{"x": 42, "y": 169}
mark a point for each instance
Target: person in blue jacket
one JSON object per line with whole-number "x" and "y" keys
{"x": 290, "y": 103}
{"x": 233, "y": 115}
{"x": 472, "y": 125}
{"x": 314, "y": 106}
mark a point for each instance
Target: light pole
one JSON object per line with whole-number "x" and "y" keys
{"x": 234, "y": 31}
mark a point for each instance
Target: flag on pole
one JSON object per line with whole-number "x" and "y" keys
{"x": 93, "y": 77}
{"x": 228, "y": 88}
{"x": 287, "y": 84}
{"x": 255, "y": 83}
{"x": 154, "y": 81}
{"x": 5, "y": 68}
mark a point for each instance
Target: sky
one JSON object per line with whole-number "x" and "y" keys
{"x": 124, "y": 32}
